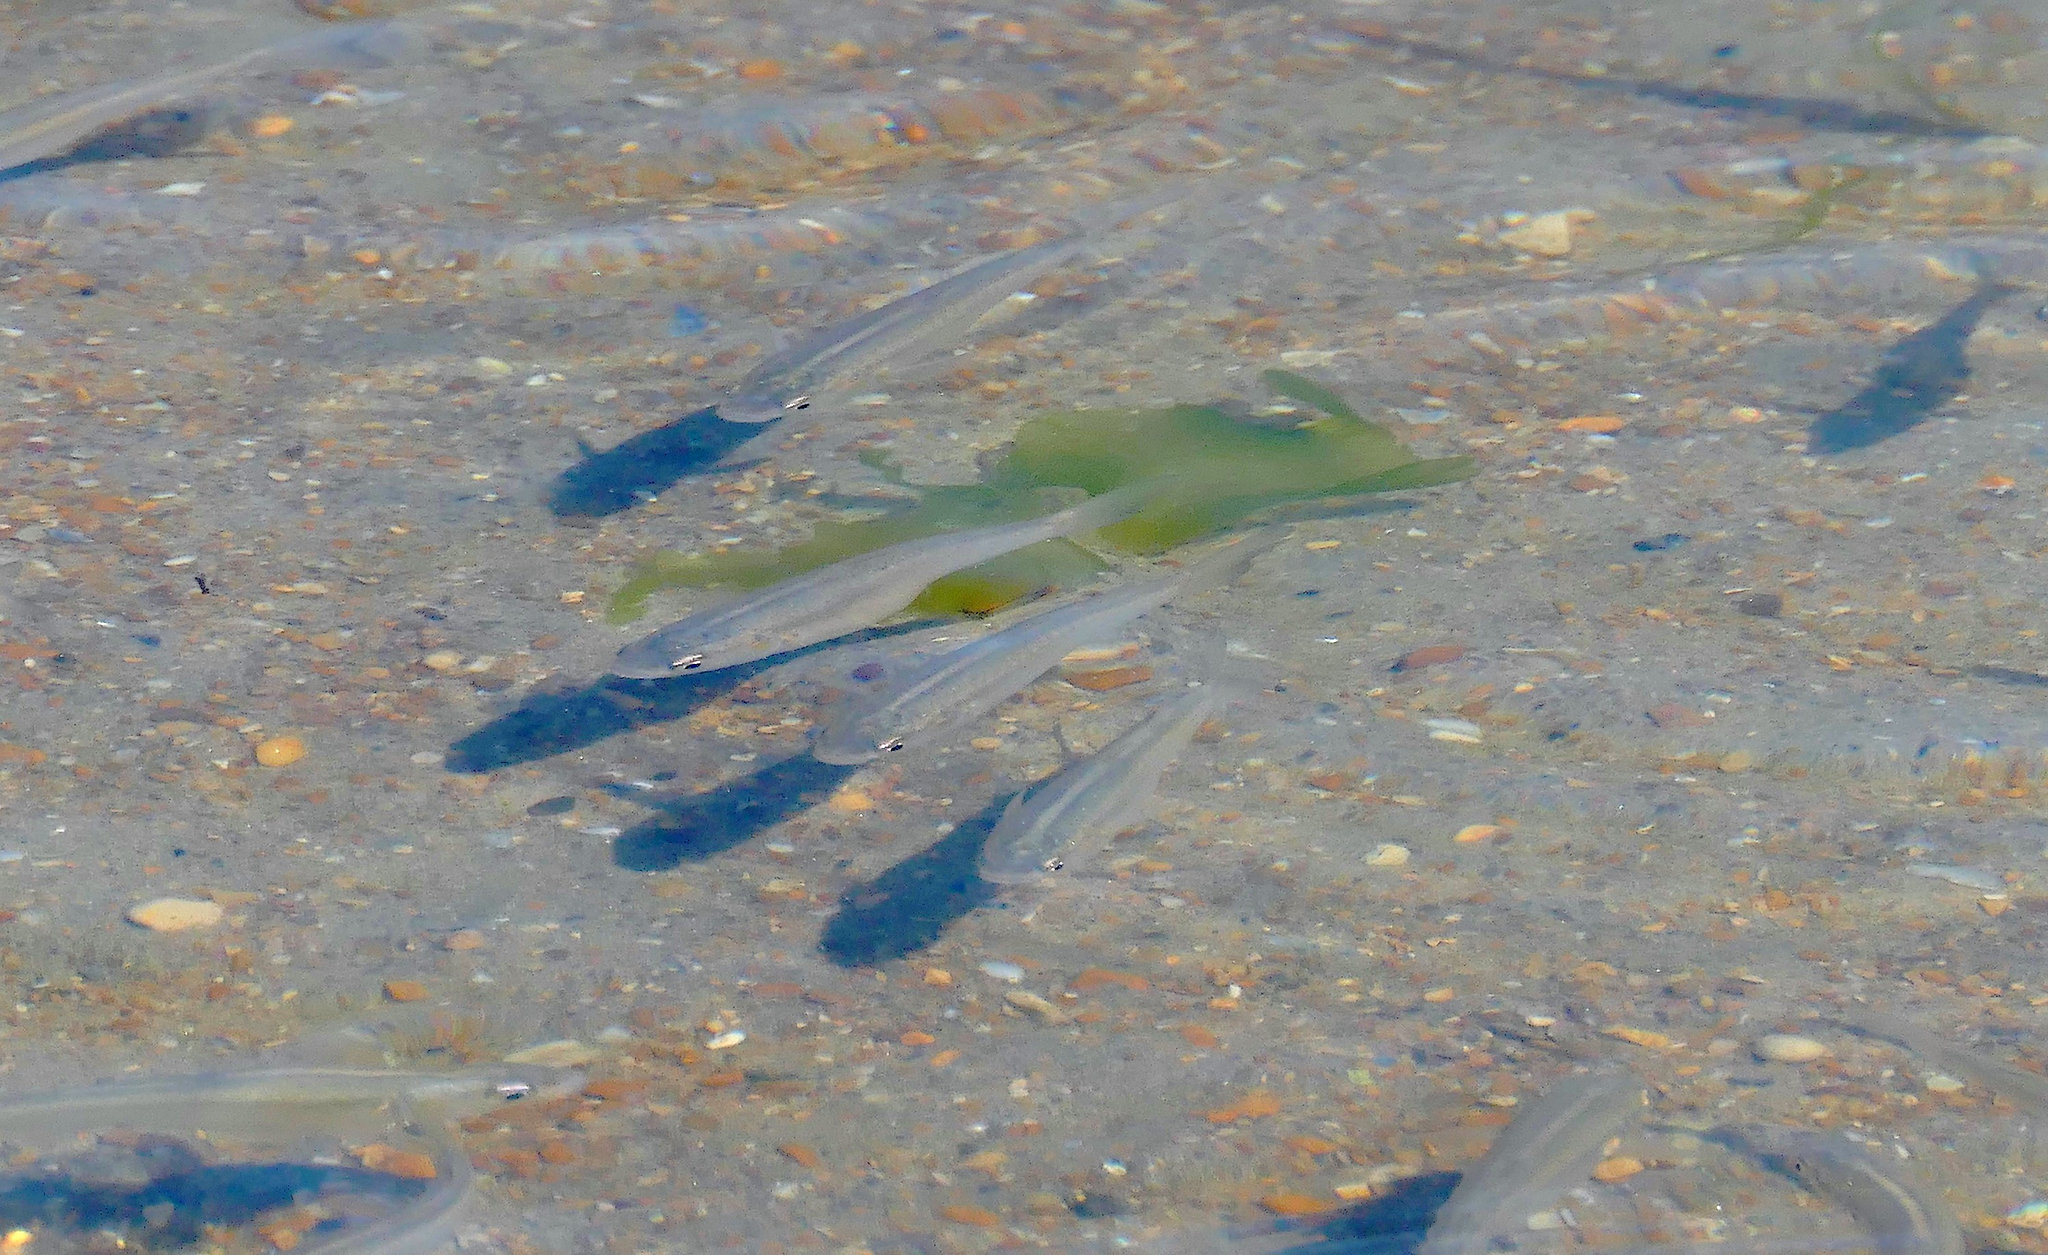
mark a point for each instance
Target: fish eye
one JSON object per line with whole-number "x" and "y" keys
{"x": 797, "y": 403}
{"x": 890, "y": 746}
{"x": 688, "y": 662}
{"x": 513, "y": 1091}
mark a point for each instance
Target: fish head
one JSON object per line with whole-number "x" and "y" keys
{"x": 851, "y": 744}
{"x": 480, "y": 1090}
{"x": 658, "y": 658}
{"x": 762, "y": 406}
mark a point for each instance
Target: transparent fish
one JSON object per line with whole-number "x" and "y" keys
{"x": 1552, "y": 1146}
{"x": 49, "y": 127}
{"x": 1096, "y": 796}
{"x": 847, "y": 596}
{"x": 1901, "y": 1213}
{"x": 966, "y": 682}
{"x": 907, "y": 329}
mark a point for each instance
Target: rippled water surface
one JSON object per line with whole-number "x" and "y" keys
{"x": 346, "y": 384}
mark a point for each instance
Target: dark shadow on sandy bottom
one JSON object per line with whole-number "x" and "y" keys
{"x": 179, "y": 1196}
{"x": 643, "y": 466}
{"x": 545, "y": 724}
{"x": 1392, "y": 1223}
{"x": 158, "y": 133}
{"x": 909, "y": 906}
{"x": 693, "y": 827}
{"x": 1920, "y": 374}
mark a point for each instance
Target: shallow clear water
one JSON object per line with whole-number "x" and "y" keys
{"x": 1716, "y": 736}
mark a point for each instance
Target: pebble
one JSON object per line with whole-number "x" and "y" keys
{"x": 726, "y": 1040}
{"x": 442, "y": 660}
{"x": 405, "y": 991}
{"x": 1546, "y": 235}
{"x": 280, "y": 751}
{"x": 1388, "y": 855}
{"x": 1619, "y": 1168}
{"x": 1456, "y": 731}
{"x": 463, "y": 939}
{"x": 1032, "y": 1004}
{"x": 1002, "y": 971}
{"x": 176, "y": 915}
{"x": 851, "y": 802}
{"x": 1967, "y": 877}
{"x": 1788, "y": 1048}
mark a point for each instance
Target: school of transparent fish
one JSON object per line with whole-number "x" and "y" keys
{"x": 1634, "y": 845}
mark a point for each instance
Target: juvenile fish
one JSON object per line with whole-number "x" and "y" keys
{"x": 2026, "y": 1090}
{"x": 909, "y": 329}
{"x": 273, "y": 1104}
{"x": 281, "y": 1105}
{"x": 1901, "y": 1214}
{"x": 963, "y": 683}
{"x": 1101, "y": 794}
{"x": 1547, "y": 1150}
{"x": 847, "y": 596}
{"x": 50, "y": 127}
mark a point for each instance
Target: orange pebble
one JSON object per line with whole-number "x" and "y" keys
{"x": 270, "y": 126}
{"x": 761, "y": 68}
{"x": 801, "y": 1154}
{"x": 280, "y": 751}
{"x": 409, "y": 1164}
{"x": 1598, "y": 424}
{"x": 405, "y": 991}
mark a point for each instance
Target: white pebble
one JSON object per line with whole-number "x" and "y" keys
{"x": 1002, "y": 971}
{"x": 1388, "y": 855}
{"x": 1788, "y": 1048}
{"x": 726, "y": 1040}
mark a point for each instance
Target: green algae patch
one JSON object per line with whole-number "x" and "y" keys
{"x": 1212, "y": 470}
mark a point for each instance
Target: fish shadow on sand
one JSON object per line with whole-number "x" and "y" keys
{"x": 162, "y": 132}
{"x": 1818, "y": 112}
{"x": 1918, "y": 375}
{"x": 694, "y": 827}
{"x": 1392, "y": 1223}
{"x": 181, "y": 1197}
{"x": 641, "y": 467}
{"x": 908, "y": 907}
{"x": 546, "y": 724}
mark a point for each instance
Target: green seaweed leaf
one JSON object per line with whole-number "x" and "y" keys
{"x": 1212, "y": 470}
{"x": 1307, "y": 391}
